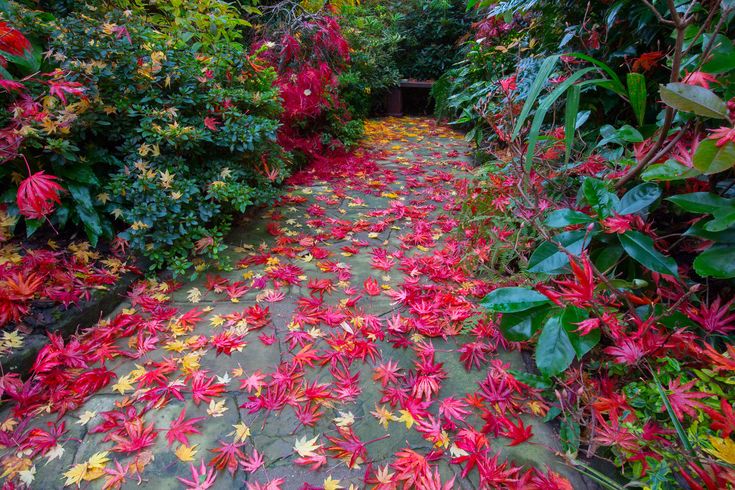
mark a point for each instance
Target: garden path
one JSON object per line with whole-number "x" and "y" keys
{"x": 359, "y": 267}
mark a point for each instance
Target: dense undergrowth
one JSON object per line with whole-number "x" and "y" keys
{"x": 147, "y": 126}
{"x": 605, "y": 206}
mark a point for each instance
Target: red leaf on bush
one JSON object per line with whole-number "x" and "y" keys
{"x": 12, "y": 41}
{"x": 682, "y": 400}
{"x": 60, "y": 89}
{"x": 37, "y": 194}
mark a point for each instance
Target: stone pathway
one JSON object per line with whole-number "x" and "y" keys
{"x": 346, "y": 315}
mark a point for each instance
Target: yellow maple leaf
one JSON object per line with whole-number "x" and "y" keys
{"x": 12, "y": 340}
{"x": 194, "y": 295}
{"x": 186, "y": 453}
{"x": 383, "y": 476}
{"x": 98, "y": 460}
{"x": 175, "y": 346}
{"x": 383, "y": 415}
{"x": 241, "y": 432}
{"x": 722, "y": 449}
{"x": 86, "y": 417}
{"x": 331, "y": 484}
{"x": 123, "y": 385}
{"x": 345, "y": 419}
{"x": 216, "y": 409}
{"x": 406, "y": 417}
{"x": 8, "y": 424}
{"x": 76, "y": 474}
{"x": 306, "y": 448}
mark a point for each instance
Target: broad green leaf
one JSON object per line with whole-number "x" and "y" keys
{"x": 701, "y": 202}
{"x": 668, "y": 171}
{"x": 548, "y": 259}
{"x": 722, "y": 57}
{"x": 620, "y": 136}
{"x": 607, "y": 257}
{"x": 582, "y": 344}
{"x": 32, "y": 225}
{"x": 711, "y": 159}
{"x": 565, "y": 217}
{"x": 513, "y": 300}
{"x": 695, "y": 99}
{"x": 717, "y": 262}
{"x": 723, "y": 219}
{"x": 86, "y": 212}
{"x": 570, "y": 119}
{"x": 518, "y": 327}
{"x": 637, "y": 95}
{"x": 599, "y": 197}
{"x": 532, "y": 380}
{"x": 698, "y": 230}
{"x": 569, "y": 434}
{"x": 638, "y": 198}
{"x": 640, "y": 248}
{"x": 554, "y": 351}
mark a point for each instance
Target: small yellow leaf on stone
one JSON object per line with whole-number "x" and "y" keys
{"x": 194, "y": 295}
{"x": 305, "y": 447}
{"x": 345, "y": 419}
{"x": 241, "y": 432}
{"x": 86, "y": 417}
{"x": 217, "y": 409}
{"x": 186, "y": 453}
{"x": 330, "y": 484}
{"x": 406, "y": 417}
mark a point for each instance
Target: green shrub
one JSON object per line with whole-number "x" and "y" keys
{"x": 372, "y": 33}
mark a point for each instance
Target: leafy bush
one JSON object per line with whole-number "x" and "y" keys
{"x": 431, "y": 31}
{"x": 185, "y": 130}
{"x": 371, "y": 31}
{"x": 42, "y": 131}
{"x": 607, "y": 207}
{"x": 310, "y": 53}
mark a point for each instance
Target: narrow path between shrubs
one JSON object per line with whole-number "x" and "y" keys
{"x": 344, "y": 348}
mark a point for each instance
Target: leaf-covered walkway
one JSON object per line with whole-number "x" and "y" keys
{"x": 344, "y": 348}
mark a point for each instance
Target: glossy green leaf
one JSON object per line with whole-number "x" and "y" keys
{"x": 597, "y": 194}
{"x": 717, "y": 262}
{"x": 721, "y": 58}
{"x": 723, "y": 219}
{"x": 548, "y": 259}
{"x": 711, "y": 159}
{"x": 512, "y": 300}
{"x": 518, "y": 327}
{"x": 701, "y": 202}
{"x": 86, "y": 212}
{"x": 640, "y": 248}
{"x": 698, "y": 230}
{"x": 668, "y": 171}
{"x": 607, "y": 257}
{"x": 695, "y": 99}
{"x": 638, "y": 198}
{"x": 554, "y": 350}
{"x": 565, "y": 217}
{"x": 582, "y": 344}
